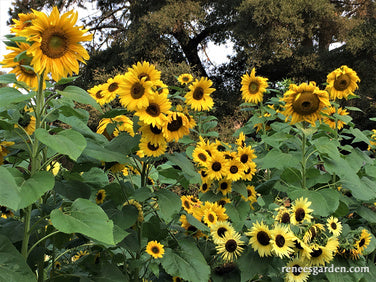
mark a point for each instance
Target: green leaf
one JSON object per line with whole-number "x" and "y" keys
{"x": 169, "y": 204}
{"x": 13, "y": 266}
{"x": 8, "y": 78}
{"x": 367, "y": 214}
{"x": 68, "y": 142}
{"x": 66, "y": 80}
{"x": 186, "y": 262}
{"x": 359, "y": 135}
{"x": 277, "y": 159}
{"x": 99, "y": 152}
{"x": 353, "y": 109}
{"x": 9, "y": 95}
{"x": 240, "y": 187}
{"x": 184, "y": 163}
{"x": 196, "y": 223}
{"x": 79, "y": 95}
{"x": 124, "y": 144}
{"x": 17, "y": 196}
{"x": 252, "y": 264}
{"x": 86, "y": 218}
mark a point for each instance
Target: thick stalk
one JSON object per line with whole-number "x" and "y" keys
{"x": 304, "y": 160}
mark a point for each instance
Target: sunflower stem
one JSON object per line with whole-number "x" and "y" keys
{"x": 304, "y": 160}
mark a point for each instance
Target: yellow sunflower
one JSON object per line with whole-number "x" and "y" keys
{"x": 249, "y": 171}
{"x": 342, "y": 82}
{"x": 176, "y": 127}
{"x": 57, "y": 265}
{"x": 331, "y": 120}
{"x": 23, "y": 22}
{"x": 372, "y": 140}
{"x": 240, "y": 141}
{"x": 334, "y": 226}
{"x": 186, "y": 204}
{"x": 260, "y": 239}
{"x": 155, "y": 249}
{"x": 312, "y": 232}
{"x": 27, "y": 121}
{"x": 185, "y": 78}
{"x": 122, "y": 124}
{"x": 320, "y": 255}
{"x": 305, "y": 103}
{"x": 137, "y": 205}
{"x": 5, "y": 212}
{"x": 362, "y": 243}
{"x": 151, "y": 133}
{"x": 253, "y": 87}
{"x": 192, "y": 230}
{"x": 112, "y": 87}
{"x": 296, "y": 271}
{"x": 219, "y": 211}
{"x": 246, "y": 155}
{"x": 284, "y": 215}
{"x": 100, "y": 196}
{"x": 145, "y": 71}
{"x": 217, "y": 166}
{"x": 56, "y": 47}
{"x": 198, "y": 98}
{"x": 223, "y": 201}
{"x": 200, "y": 156}
{"x": 97, "y": 92}
{"x": 210, "y": 217}
{"x": 300, "y": 211}
{"x": 302, "y": 248}
{"x": 282, "y": 241}
{"x": 229, "y": 246}
{"x": 79, "y": 255}
{"x": 251, "y": 194}
{"x": 160, "y": 88}
{"x": 21, "y": 67}
{"x": 54, "y": 167}
{"x": 224, "y": 186}
{"x": 155, "y": 112}
{"x": 219, "y": 229}
{"x": 205, "y": 186}
{"x": 154, "y": 150}
{"x": 235, "y": 170}
{"x": 4, "y": 150}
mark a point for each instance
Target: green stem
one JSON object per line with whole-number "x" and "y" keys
{"x": 42, "y": 239}
{"x": 304, "y": 160}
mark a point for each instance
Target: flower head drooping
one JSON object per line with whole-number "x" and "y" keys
{"x": 55, "y": 43}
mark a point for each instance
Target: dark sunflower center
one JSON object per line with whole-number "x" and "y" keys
{"x": 295, "y": 270}
{"x": 175, "y": 124}
{"x": 221, "y": 231}
{"x": 333, "y": 225}
{"x": 155, "y": 130}
{"x": 299, "y": 214}
{"x": 244, "y": 158}
{"x": 298, "y": 245}
{"x": 54, "y": 43}
{"x": 342, "y": 82}
{"x": 211, "y": 217}
{"x": 249, "y": 192}
{"x": 26, "y": 62}
{"x": 153, "y": 109}
{"x": 223, "y": 185}
{"x": 204, "y": 187}
{"x": 137, "y": 90}
{"x": 306, "y": 104}
{"x": 155, "y": 250}
{"x": 312, "y": 230}
{"x": 263, "y": 238}
{"x": 198, "y": 93}
{"x": 99, "y": 95}
{"x": 231, "y": 246}
{"x": 203, "y": 173}
{"x": 228, "y": 157}
{"x": 153, "y": 147}
{"x": 234, "y": 169}
{"x": 221, "y": 148}
{"x": 253, "y": 87}
{"x": 222, "y": 203}
{"x": 24, "y": 121}
{"x": 285, "y": 217}
{"x": 191, "y": 228}
{"x": 202, "y": 157}
{"x": 113, "y": 87}
{"x": 99, "y": 196}
{"x": 216, "y": 166}
{"x": 280, "y": 240}
{"x": 142, "y": 75}
{"x": 247, "y": 171}
{"x": 362, "y": 242}
{"x": 185, "y": 78}
{"x": 316, "y": 253}
{"x": 187, "y": 205}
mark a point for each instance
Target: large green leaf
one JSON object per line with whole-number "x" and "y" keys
{"x": 277, "y": 159}
{"x": 68, "y": 142}
{"x": 9, "y": 95}
{"x": 87, "y": 218}
{"x": 99, "y": 152}
{"x": 13, "y": 266}
{"x": 169, "y": 204}
{"x": 252, "y": 264}
{"x": 20, "y": 195}
{"x": 79, "y": 95}
{"x": 186, "y": 262}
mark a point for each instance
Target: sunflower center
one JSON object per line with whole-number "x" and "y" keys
{"x": 342, "y": 82}
{"x": 234, "y": 169}
{"x": 222, "y": 203}
{"x": 26, "y": 62}
{"x": 142, "y": 75}
{"x": 263, "y": 238}
{"x": 333, "y": 225}
{"x": 203, "y": 173}
{"x": 99, "y": 196}
{"x": 216, "y": 166}
{"x": 99, "y": 95}
{"x": 312, "y": 230}
{"x": 244, "y": 158}
{"x": 191, "y": 228}
{"x": 113, "y": 87}
{"x": 155, "y": 130}
{"x": 223, "y": 186}
{"x": 54, "y": 43}
{"x": 187, "y": 205}
{"x": 249, "y": 193}
{"x": 253, "y": 87}
{"x": 285, "y": 218}
{"x": 362, "y": 242}
{"x": 211, "y": 217}
{"x": 155, "y": 250}
{"x": 153, "y": 147}
{"x": 24, "y": 121}
{"x": 198, "y": 93}
{"x": 280, "y": 240}
{"x": 204, "y": 187}
{"x": 316, "y": 253}
{"x": 295, "y": 270}
{"x": 247, "y": 171}
{"x": 153, "y": 109}
{"x": 221, "y": 231}
{"x": 306, "y": 104}
{"x": 298, "y": 245}
{"x": 202, "y": 157}
{"x": 299, "y": 214}
{"x": 221, "y": 148}
{"x": 175, "y": 124}
{"x": 137, "y": 90}
{"x": 231, "y": 246}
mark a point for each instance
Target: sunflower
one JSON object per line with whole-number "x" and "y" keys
{"x": 304, "y": 103}
{"x": 349, "y": 253}
{"x": 246, "y": 155}
{"x": 176, "y": 127}
{"x": 210, "y": 217}
{"x": 260, "y": 239}
{"x": 20, "y": 65}
{"x": 79, "y": 255}
{"x": 137, "y": 205}
{"x": 362, "y": 243}
{"x": 155, "y": 112}
{"x": 334, "y": 226}
{"x": 23, "y": 22}
{"x": 251, "y": 194}
{"x": 145, "y": 71}
{"x": 56, "y": 47}
{"x": 300, "y": 211}
{"x": 5, "y": 212}
{"x": 224, "y": 186}
{"x": 4, "y": 150}
{"x": 57, "y": 265}
{"x": 235, "y": 170}
{"x": 155, "y": 249}
{"x": 302, "y": 248}
{"x": 253, "y": 87}
{"x": 112, "y": 87}
{"x": 27, "y": 122}
{"x": 177, "y": 279}
{"x": 330, "y": 120}
{"x": 219, "y": 229}
{"x": 223, "y": 201}
{"x": 217, "y": 166}
{"x": 100, "y": 196}
{"x": 189, "y": 227}
{"x": 54, "y": 167}
{"x": 249, "y": 171}
{"x": 185, "y": 78}
{"x": 320, "y": 255}
{"x": 342, "y": 82}
{"x": 240, "y": 141}
{"x": 122, "y": 122}
{"x": 312, "y": 232}
{"x": 186, "y": 204}
{"x": 198, "y": 98}
{"x": 154, "y": 150}
{"x": 152, "y": 133}
{"x": 219, "y": 211}
{"x": 118, "y": 168}
{"x": 296, "y": 271}
{"x": 97, "y": 93}
{"x": 284, "y": 215}
{"x": 200, "y": 156}
{"x": 205, "y": 186}
{"x": 372, "y": 140}
{"x": 160, "y": 88}
{"x": 230, "y": 246}
{"x": 282, "y": 241}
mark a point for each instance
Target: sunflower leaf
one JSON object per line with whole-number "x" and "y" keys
{"x": 169, "y": 204}
{"x": 79, "y": 95}
{"x": 9, "y": 95}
